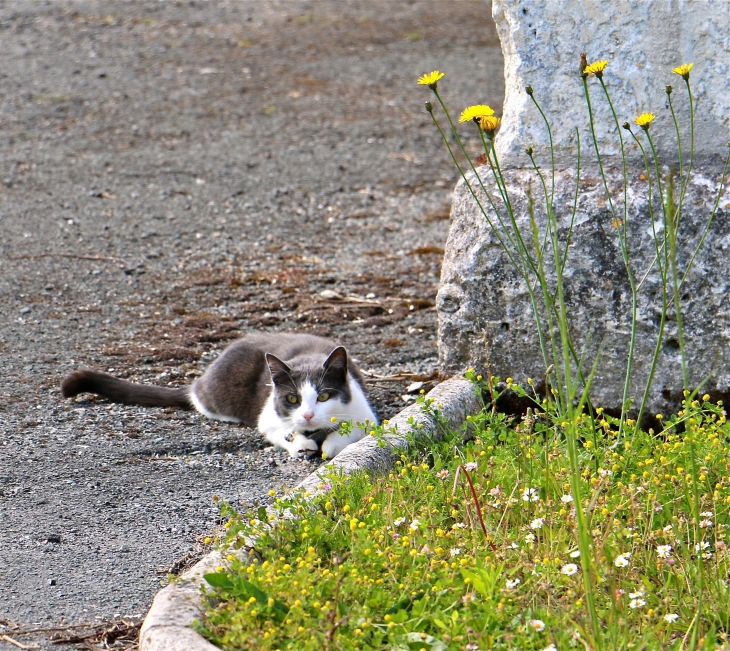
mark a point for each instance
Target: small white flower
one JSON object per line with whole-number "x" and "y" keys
{"x": 514, "y": 545}
{"x": 550, "y": 647}
{"x": 495, "y": 491}
{"x": 442, "y": 474}
{"x": 531, "y": 495}
{"x": 707, "y": 514}
{"x": 621, "y": 560}
{"x": 706, "y": 524}
{"x": 537, "y": 523}
{"x": 670, "y": 618}
{"x": 700, "y": 547}
{"x": 512, "y": 583}
{"x": 468, "y": 598}
{"x": 458, "y": 525}
{"x": 604, "y": 472}
{"x": 455, "y": 551}
{"x": 566, "y": 499}
{"x": 414, "y": 525}
{"x": 636, "y": 595}
{"x": 399, "y": 521}
{"x": 537, "y": 625}
{"x": 470, "y": 466}
{"x": 667, "y": 529}
{"x": 637, "y": 603}
{"x": 569, "y": 569}
{"x": 530, "y": 538}
{"x": 664, "y": 551}
{"x": 575, "y": 554}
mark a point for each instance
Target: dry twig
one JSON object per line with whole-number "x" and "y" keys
{"x": 9, "y": 639}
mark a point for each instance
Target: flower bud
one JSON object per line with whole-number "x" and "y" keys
{"x": 528, "y": 151}
{"x": 528, "y": 90}
{"x": 626, "y": 126}
{"x": 668, "y": 89}
{"x": 429, "y": 107}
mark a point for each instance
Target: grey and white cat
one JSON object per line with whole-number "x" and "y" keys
{"x": 290, "y": 386}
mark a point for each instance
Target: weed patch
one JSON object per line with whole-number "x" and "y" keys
{"x": 476, "y": 545}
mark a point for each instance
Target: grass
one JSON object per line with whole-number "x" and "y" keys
{"x": 476, "y": 545}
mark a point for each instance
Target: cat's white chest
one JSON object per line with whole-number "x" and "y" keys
{"x": 287, "y": 433}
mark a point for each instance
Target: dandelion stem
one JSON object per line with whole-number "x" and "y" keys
{"x": 623, "y": 232}
{"x": 663, "y": 273}
{"x": 667, "y": 204}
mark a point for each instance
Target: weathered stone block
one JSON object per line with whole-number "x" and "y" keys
{"x": 485, "y": 312}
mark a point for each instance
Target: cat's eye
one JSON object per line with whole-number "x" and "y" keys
{"x": 323, "y": 397}
{"x": 293, "y": 398}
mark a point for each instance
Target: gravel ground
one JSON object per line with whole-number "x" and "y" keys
{"x": 174, "y": 174}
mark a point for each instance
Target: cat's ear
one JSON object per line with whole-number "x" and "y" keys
{"x": 336, "y": 362}
{"x": 280, "y": 372}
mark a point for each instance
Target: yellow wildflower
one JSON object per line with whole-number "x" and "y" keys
{"x": 431, "y": 79}
{"x": 596, "y": 68}
{"x": 683, "y": 70}
{"x": 475, "y": 112}
{"x": 644, "y": 120}
{"x": 489, "y": 123}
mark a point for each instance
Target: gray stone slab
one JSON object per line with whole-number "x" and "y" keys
{"x": 485, "y": 315}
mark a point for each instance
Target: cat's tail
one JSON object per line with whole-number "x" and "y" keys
{"x": 128, "y": 393}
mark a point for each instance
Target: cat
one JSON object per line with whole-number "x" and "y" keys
{"x": 295, "y": 388}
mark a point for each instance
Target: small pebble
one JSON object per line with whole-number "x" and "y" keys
{"x": 25, "y": 310}
{"x": 51, "y": 581}
{"x": 330, "y": 295}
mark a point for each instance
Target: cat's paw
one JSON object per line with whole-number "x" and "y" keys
{"x": 300, "y": 446}
{"x": 335, "y": 443}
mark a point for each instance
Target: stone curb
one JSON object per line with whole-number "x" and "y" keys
{"x": 167, "y": 626}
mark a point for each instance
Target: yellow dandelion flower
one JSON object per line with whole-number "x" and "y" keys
{"x": 596, "y": 68}
{"x": 489, "y": 123}
{"x": 683, "y": 70}
{"x": 475, "y": 112}
{"x": 431, "y": 79}
{"x": 644, "y": 120}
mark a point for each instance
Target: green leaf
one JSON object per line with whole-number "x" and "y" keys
{"x": 420, "y": 641}
{"x": 484, "y": 579}
{"x": 262, "y": 514}
{"x": 400, "y": 617}
{"x": 219, "y": 580}
{"x": 479, "y": 585}
{"x": 406, "y": 603}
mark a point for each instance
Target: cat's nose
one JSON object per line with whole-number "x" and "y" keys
{"x": 308, "y": 415}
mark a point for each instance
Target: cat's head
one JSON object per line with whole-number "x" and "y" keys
{"x": 310, "y": 392}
